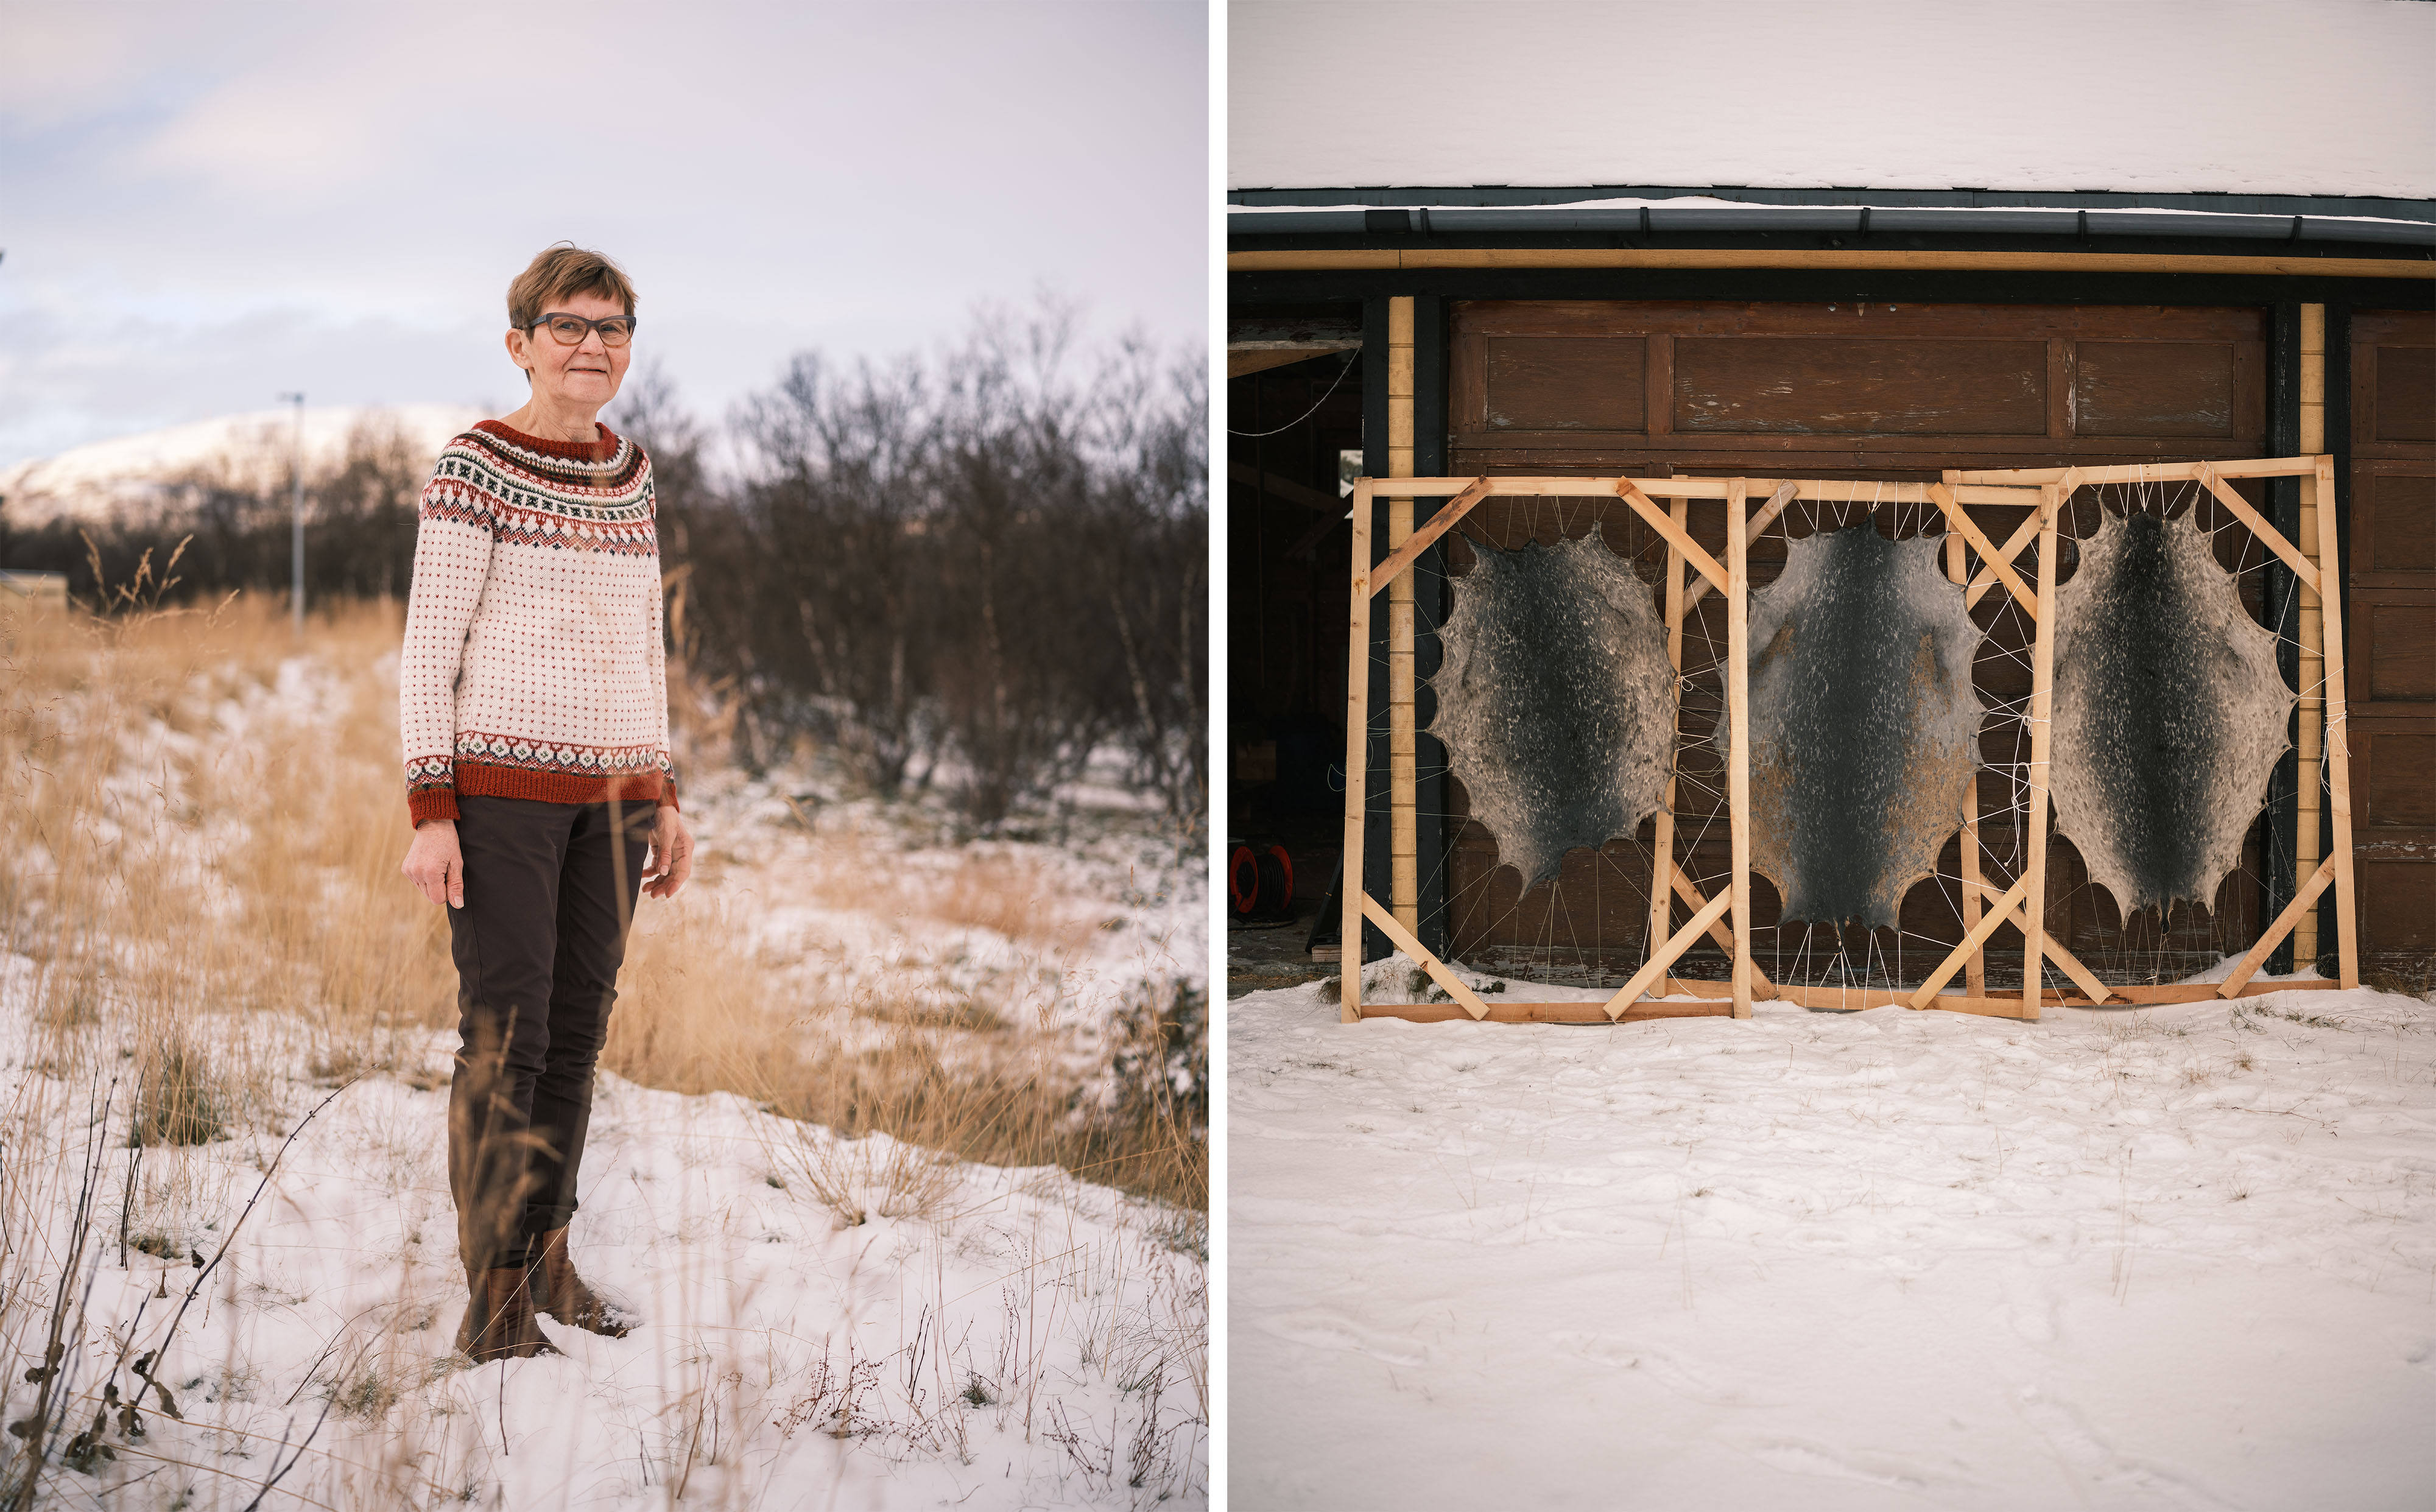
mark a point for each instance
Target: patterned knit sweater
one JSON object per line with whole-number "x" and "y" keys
{"x": 532, "y": 665}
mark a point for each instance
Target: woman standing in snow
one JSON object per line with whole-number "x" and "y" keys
{"x": 534, "y": 712}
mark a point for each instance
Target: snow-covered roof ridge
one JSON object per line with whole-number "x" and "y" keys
{"x": 2268, "y": 97}
{"x": 252, "y": 449}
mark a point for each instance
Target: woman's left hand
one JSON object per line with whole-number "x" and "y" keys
{"x": 671, "y": 859}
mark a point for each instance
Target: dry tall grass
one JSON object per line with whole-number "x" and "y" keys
{"x": 189, "y": 858}
{"x": 174, "y": 871}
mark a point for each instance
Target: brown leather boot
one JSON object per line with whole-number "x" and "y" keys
{"x": 563, "y": 1294}
{"x": 499, "y": 1319}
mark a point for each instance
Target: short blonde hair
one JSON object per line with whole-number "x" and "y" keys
{"x": 559, "y": 271}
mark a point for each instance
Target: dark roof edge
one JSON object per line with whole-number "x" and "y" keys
{"x": 1664, "y": 220}
{"x": 1514, "y": 198}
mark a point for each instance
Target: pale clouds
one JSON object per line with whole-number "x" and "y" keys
{"x": 202, "y": 206}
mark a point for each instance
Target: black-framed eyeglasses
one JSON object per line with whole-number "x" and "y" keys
{"x": 616, "y": 330}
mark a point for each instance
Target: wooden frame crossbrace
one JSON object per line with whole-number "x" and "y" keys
{"x": 2022, "y": 904}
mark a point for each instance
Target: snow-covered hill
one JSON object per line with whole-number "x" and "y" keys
{"x": 98, "y": 480}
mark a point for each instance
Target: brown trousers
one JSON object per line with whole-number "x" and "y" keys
{"x": 549, "y": 895}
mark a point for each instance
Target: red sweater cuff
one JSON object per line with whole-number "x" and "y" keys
{"x": 432, "y": 803}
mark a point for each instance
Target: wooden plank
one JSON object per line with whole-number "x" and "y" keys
{"x": 1855, "y": 999}
{"x": 1588, "y": 1012}
{"x": 1785, "y": 494}
{"x": 1976, "y": 971}
{"x": 2034, "y": 838}
{"x": 1827, "y": 490}
{"x": 1956, "y": 569}
{"x": 1945, "y": 498}
{"x": 2268, "y": 534}
{"x": 2204, "y": 992}
{"x": 1719, "y": 932}
{"x": 2339, "y": 762}
{"x": 2022, "y": 535}
{"x": 2070, "y": 965}
{"x": 1426, "y": 535}
{"x": 1403, "y": 770}
{"x": 2086, "y": 980}
{"x": 2257, "y": 955}
{"x": 2147, "y": 472}
{"x": 1402, "y": 938}
{"x": 1353, "y": 260}
{"x": 1971, "y": 944}
{"x": 1826, "y": 315}
{"x": 1738, "y": 744}
{"x": 1663, "y": 871}
{"x": 1675, "y": 535}
{"x": 1357, "y": 752}
{"x": 1666, "y": 955}
{"x": 2309, "y": 726}
{"x": 1683, "y": 1001}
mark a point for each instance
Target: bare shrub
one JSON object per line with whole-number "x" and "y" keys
{"x": 974, "y": 570}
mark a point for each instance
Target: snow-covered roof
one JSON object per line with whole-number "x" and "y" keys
{"x": 2309, "y": 97}
{"x": 250, "y": 450}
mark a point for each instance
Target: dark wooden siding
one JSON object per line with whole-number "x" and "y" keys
{"x": 2391, "y": 638}
{"x": 1825, "y": 390}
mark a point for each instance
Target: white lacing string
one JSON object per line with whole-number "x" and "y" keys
{"x": 1254, "y": 435}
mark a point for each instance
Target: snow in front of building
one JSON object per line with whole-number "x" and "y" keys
{"x": 2175, "y": 1257}
{"x": 2326, "y": 98}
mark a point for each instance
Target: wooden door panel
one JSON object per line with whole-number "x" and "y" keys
{"x": 1558, "y": 384}
{"x": 2393, "y": 524}
{"x": 2390, "y": 625}
{"x": 2154, "y": 389}
{"x": 1929, "y": 385}
{"x": 2406, "y": 393}
{"x": 1868, "y": 386}
{"x": 2393, "y": 779}
{"x": 2391, "y": 653}
{"x": 2393, "y": 384}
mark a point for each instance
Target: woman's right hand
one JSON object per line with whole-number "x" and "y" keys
{"x": 434, "y": 864}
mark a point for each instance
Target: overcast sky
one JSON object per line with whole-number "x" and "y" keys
{"x": 203, "y": 205}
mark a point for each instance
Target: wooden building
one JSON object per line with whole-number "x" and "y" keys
{"x": 1813, "y": 302}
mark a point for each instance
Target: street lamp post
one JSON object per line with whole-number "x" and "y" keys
{"x": 296, "y": 472}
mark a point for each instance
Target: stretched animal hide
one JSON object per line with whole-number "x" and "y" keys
{"x": 1864, "y": 730}
{"x": 1555, "y": 700}
{"x": 2169, "y": 713}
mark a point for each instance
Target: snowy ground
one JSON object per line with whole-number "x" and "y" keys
{"x": 1051, "y": 926}
{"x": 1014, "y": 1338}
{"x": 2179, "y": 1257}
{"x": 1034, "y": 1342}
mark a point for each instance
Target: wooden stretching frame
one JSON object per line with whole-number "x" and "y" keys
{"x": 1661, "y": 504}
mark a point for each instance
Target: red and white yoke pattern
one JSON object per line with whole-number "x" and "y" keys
{"x": 532, "y": 665}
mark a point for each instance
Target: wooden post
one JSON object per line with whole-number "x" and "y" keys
{"x": 2338, "y": 746}
{"x": 2306, "y": 844}
{"x": 2034, "y": 839}
{"x": 1662, "y": 870}
{"x": 1404, "y": 826}
{"x": 1975, "y": 973}
{"x": 1357, "y": 753}
{"x": 1738, "y": 745}
{"x": 1957, "y": 568}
